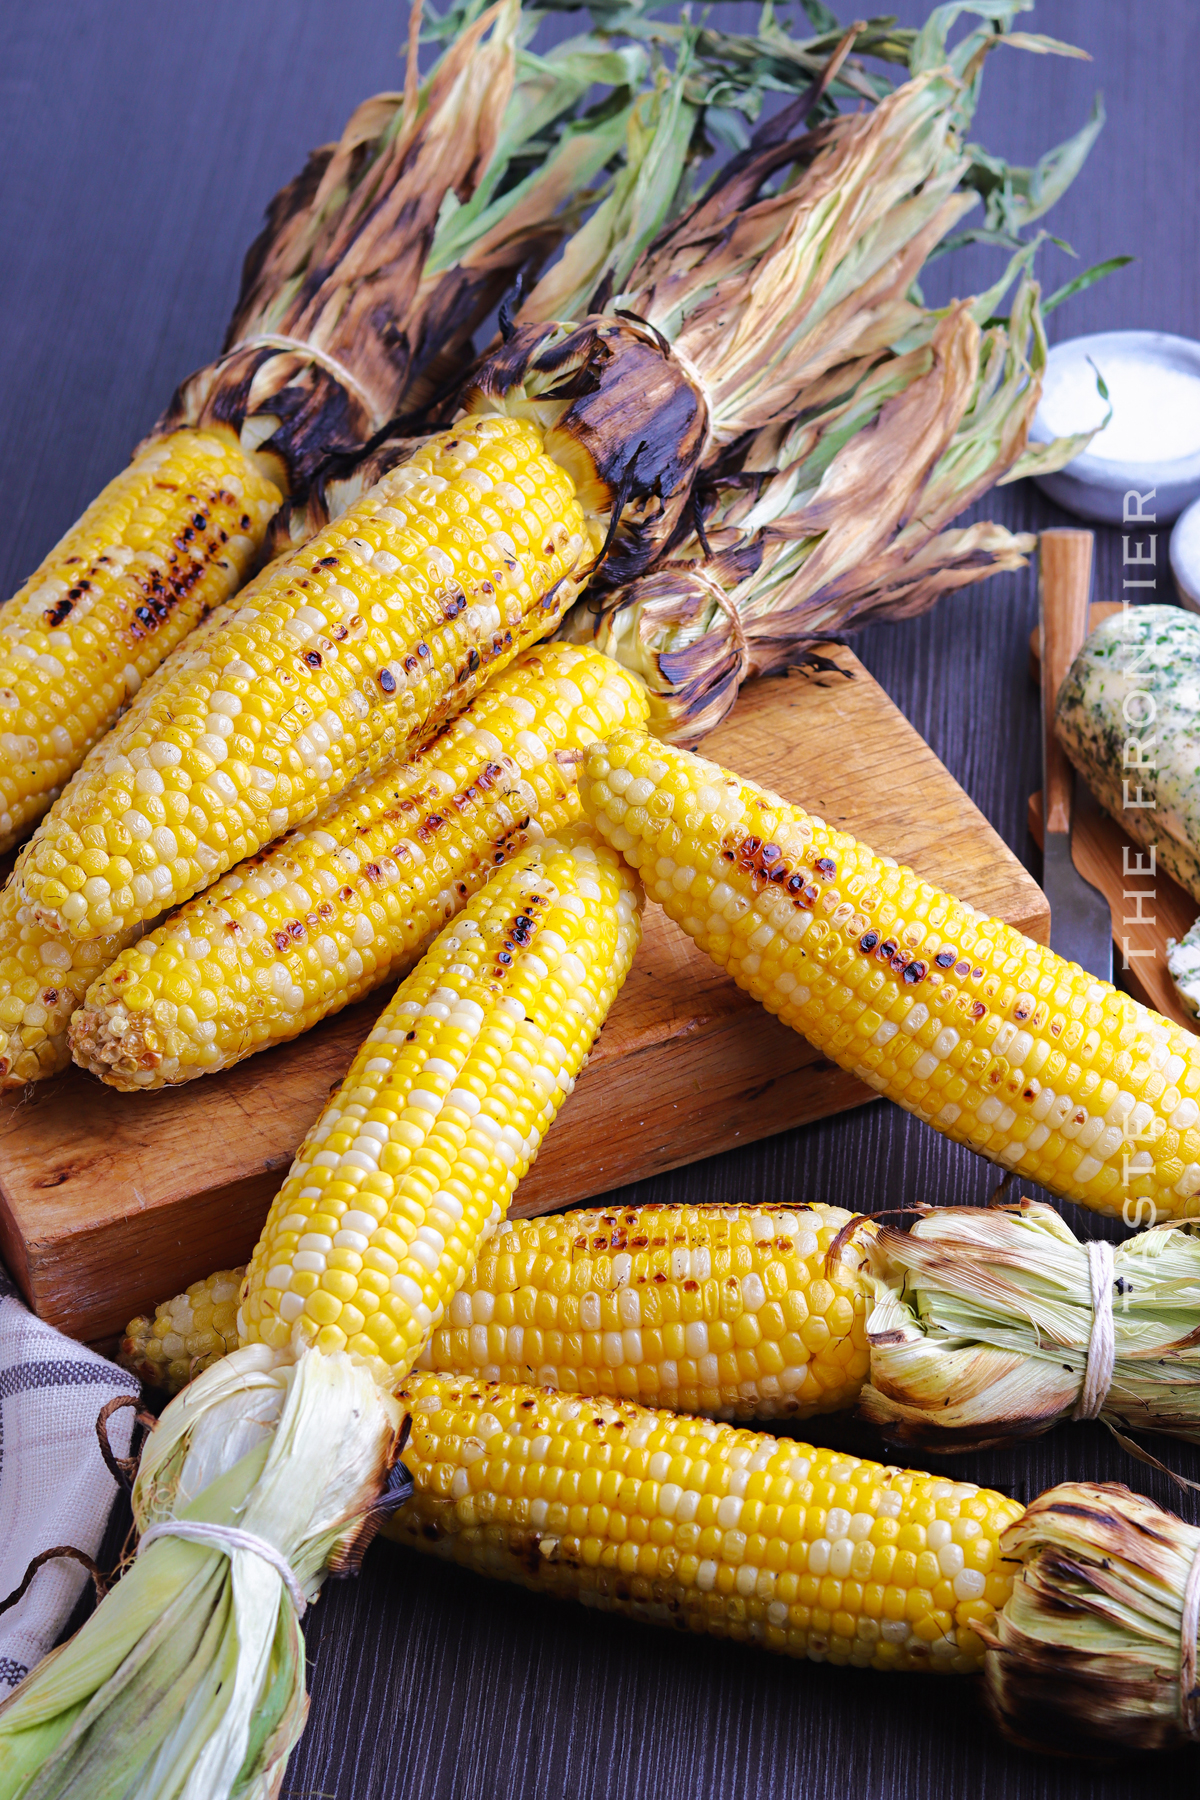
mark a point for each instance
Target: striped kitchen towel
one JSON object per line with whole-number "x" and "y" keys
{"x": 54, "y": 1486}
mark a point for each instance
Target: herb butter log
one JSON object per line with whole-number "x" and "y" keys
{"x": 989, "y": 1037}
{"x": 1128, "y": 716}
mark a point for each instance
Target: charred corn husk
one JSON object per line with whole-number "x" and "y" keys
{"x": 986, "y": 1322}
{"x": 340, "y": 906}
{"x": 836, "y": 520}
{"x": 991, "y": 1038}
{"x": 704, "y": 1527}
{"x": 194, "y": 1665}
{"x": 1096, "y": 1648}
{"x": 740, "y": 1312}
{"x": 350, "y": 298}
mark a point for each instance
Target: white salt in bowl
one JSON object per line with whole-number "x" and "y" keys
{"x": 1153, "y": 437}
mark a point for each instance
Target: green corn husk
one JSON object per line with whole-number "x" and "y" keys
{"x": 1086, "y": 1655}
{"x": 189, "y": 1680}
{"x": 982, "y": 1321}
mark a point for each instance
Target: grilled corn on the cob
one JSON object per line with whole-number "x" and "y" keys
{"x": 170, "y": 538}
{"x": 992, "y": 1039}
{"x": 336, "y": 908}
{"x": 284, "y": 1448}
{"x": 365, "y": 642}
{"x": 704, "y": 1527}
{"x": 734, "y": 1311}
{"x": 443, "y": 1110}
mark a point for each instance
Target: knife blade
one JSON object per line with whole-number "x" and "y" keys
{"x": 1080, "y": 918}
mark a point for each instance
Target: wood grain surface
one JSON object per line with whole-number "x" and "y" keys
{"x": 109, "y": 1202}
{"x": 139, "y": 145}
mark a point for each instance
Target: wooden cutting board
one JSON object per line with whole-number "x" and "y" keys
{"x": 1097, "y": 849}
{"x": 111, "y": 1202}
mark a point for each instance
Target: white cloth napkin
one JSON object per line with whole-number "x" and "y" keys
{"x": 54, "y": 1486}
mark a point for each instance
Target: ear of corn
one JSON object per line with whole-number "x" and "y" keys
{"x": 195, "y": 1663}
{"x": 730, "y": 1311}
{"x": 703, "y": 1527}
{"x": 733, "y": 1311}
{"x": 364, "y": 642}
{"x": 171, "y": 537}
{"x": 338, "y": 907}
{"x": 992, "y": 1039}
{"x": 443, "y": 1110}
{"x": 43, "y": 979}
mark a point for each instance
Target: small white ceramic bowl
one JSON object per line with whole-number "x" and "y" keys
{"x": 1185, "y": 556}
{"x": 1153, "y": 437}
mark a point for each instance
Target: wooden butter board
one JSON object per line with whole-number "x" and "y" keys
{"x": 111, "y": 1202}
{"x": 1097, "y": 849}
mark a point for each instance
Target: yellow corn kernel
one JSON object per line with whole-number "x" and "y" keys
{"x": 175, "y": 534}
{"x": 346, "y": 903}
{"x": 991, "y": 1038}
{"x": 361, "y": 644}
{"x": 681, "y": 1538}
{"x": 417, "y": 1154}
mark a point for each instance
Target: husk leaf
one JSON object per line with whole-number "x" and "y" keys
{"x": 1085, "y": 1655}
{"x": 983, "y": 1320}
{"x": 188, "y": 1681}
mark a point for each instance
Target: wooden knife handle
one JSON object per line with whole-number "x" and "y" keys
{"x": 1065, "y": 584}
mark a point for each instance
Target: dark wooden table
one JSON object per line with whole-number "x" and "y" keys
{"x": 139, "y": 145}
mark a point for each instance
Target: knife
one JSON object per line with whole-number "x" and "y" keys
{"x": 1080, "y": 917}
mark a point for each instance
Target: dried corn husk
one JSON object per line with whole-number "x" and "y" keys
{"x": 983, "y": 1320}
{"x": 393, "y": 244}
{"x": 1088, "y": 1653}
{"x": 839, "y": 519}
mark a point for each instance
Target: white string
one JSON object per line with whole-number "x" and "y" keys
{"x": 1102, "y": 1346}
{"x": 1189, "y": 1625}
{"x": 270, "y": 340}
{"x": 713, "y": 588}
{"x": 229, "y": 1538}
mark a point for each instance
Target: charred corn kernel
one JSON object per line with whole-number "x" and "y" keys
{"x": 362, "y": 643}
{"x": 592, "y": 1302}
{"x": 174, "y": 535}
{"x": 342, "y": 905}
{"x": 720, "y": 1530}
{"x": 695, "y": 1308}
{"x": 992, "y": 1039}
{"x": 186, "y": 1334}
{"x": 443, "y": 1109}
